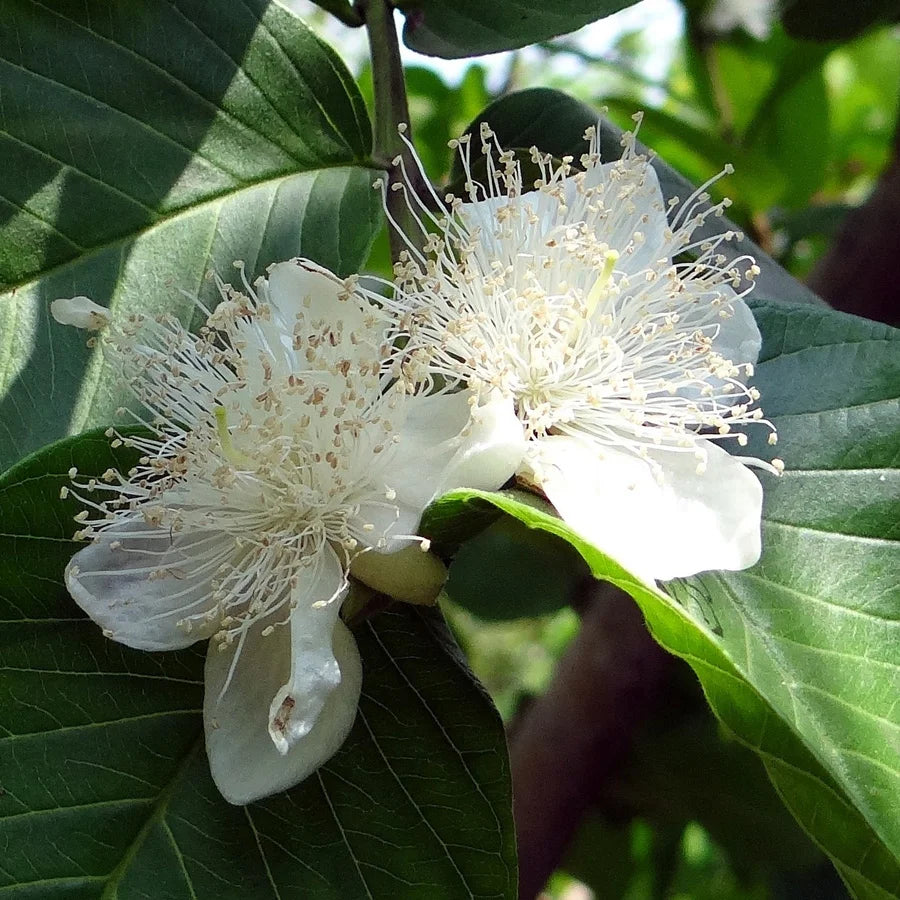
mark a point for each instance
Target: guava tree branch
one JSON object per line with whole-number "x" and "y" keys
{"x": 569, "y": 742}
{"x": 391, "y": 111}
{"x": 860, "y": 273}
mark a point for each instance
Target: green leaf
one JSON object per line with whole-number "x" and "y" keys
{"x": 145, "y": 144}
{"x": 555, "y": 122}
{"x": 798, "y": 656}
{"x": 510, "y": 571}
{"x": 817, "y": 621}
{"x": 455, "y": 28}
{"x": 106, "y": 788}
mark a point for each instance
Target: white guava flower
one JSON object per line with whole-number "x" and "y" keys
{"x": 282, "y": 444}
{"x": 623, "y": 360}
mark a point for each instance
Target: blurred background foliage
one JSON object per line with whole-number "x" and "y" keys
{"x": 808, "y": 126}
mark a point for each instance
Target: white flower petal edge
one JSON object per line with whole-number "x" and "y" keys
{"x": 451, "y": 441}
{"x": 110, "y": 581}
{"x": 283, "y": 441}
{"x": 658, "y": 523}
{"x": 738, "y": 338}
{"x": 246, "y": 764}
{"x": 283, "y": 701}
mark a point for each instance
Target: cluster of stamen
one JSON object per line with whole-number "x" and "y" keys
{"x": 551, "y": 298}
{"x": 262, "y": 441}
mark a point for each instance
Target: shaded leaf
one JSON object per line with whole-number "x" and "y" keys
{"x": 509, "y": 571}
{"x": 457, "y": 28}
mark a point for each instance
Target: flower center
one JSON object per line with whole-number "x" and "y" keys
{"x": 523, "y": 292}
{"x": 270, "y": 440}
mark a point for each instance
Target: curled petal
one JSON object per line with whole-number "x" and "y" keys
{"x": 80, "y": 312}
{"x": 302, "y": 286}
{"x": 670, "y": 526}
{"x": 282, "y": 698}
{"x": 447, "y": 442}
{"x": 145, "y": 588}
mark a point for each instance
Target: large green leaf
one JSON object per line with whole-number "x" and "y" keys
{"x": 555, "y": 122}
{"x": 456, "y": 28}
{"x": 800, "y": 655}
{"x": 106, "y": 788}
{"x": 144, "y": 144}
{"x": 817, "y": 622}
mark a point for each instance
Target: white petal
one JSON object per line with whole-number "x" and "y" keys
{"x": 445, "y": 443}
{"x": 80, "y": 312}
{"x": 113, "y": 586}
{"x": 636, "y": 254}
{"x": 301, "y": 285}
{"x": 689, "y": 523}
{"x": 289, "y": 697}
{"x": 496, "y": 238}
{"x": 738, "y": 338}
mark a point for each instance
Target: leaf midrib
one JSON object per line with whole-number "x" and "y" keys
{"x": 160, "y": 807}
{"x": 832, "y": 535}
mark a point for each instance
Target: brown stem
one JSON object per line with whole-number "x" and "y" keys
{"x": 571, "y": 739}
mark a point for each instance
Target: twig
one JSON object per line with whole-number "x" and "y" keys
{"x": 391, "y": 111}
